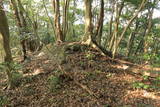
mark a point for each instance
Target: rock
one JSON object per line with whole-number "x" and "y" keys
{"x": 59, "y": 53}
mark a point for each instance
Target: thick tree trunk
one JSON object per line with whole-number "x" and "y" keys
{"x": 27, "y": 43}
{"x": 87, "y": 39}
{"x": 21, "y": 24}
{"x": 16, "y": 13}
{"x": 57, "y": 25}
{"x": 4, "y": 32}
{"x": 65, "y": 18}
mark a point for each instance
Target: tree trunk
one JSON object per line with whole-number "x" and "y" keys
{"x": 131, "y": 39}
{"x": 4, "y": 32}
{"x": 47, "y": 13}
{"x": 127, "y": 26}
{"x": 99, "y": 28}
{"x": 110, "y": 30}
{"x": 21, "y": 24}
{"x": 57, "y": 25}
{"x": 87, "y": 39}
{"x": 115, "y": 34}
{"x": 149, "y": 26}
{"x": 65, "y": 18}
{"x": 143, "y": 45}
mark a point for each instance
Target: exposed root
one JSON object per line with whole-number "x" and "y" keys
{"x": 85, "y": 88}
{"x": 79, "y": 84}
{"x": 103, "y": 51}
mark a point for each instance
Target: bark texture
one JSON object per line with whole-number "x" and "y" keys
{"x": 4, "y": 32}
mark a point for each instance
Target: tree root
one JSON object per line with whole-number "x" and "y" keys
{"x": 79, "y": 84}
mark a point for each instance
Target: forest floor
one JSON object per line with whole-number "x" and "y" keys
{"x": 85, "y": 80}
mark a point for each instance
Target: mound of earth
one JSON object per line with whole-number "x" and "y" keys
{"x": 82, "y": 78}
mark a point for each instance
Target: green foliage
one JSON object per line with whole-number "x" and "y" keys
{"x": 82, "y": 63}
{"x": 2, "y": 66}
{"x": 153, "y": 58}
{"x": 110, "y": 75}
{"x": 156, "y": 83}
{"x": 145, "y": 77}
{"x": 57, "y": 81}
{"x": 91, "y": 75}
{"x": 98, "y": 71}
{"x": 156, "y": 60}
{"x": 140, "y": 85}
{"x": 16, "y": 78}
{"x": 3, "y": 100}
{"x": 54, "y": 83}
{"x": 46, "y": 38}
{"x": 158, "y": 78}
{"x": 89, "y": 55}
{"x": 153, "y": 84}
{"x": 134, "y": 2}
{"x": 16, "y": 66}
{"x": 147, "y": 56}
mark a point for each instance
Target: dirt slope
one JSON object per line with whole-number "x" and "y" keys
{"x": 85, "y": 79}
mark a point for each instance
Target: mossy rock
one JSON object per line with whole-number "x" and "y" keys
{"x": 72, "y": 48}
{"x": 56, "y": 82}
{"x": 59, "y": 53}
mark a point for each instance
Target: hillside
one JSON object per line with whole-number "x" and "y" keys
{"x": 84, "y": 79}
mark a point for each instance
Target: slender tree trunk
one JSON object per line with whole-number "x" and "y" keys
{"x": 72, "y": 22}
{"x": 22, "y": 17}
{"x": 99, "y": 28}
{"x": 127, "y": 26}
{"x": 16, "y": 14}
{"x": 150, "y": 12}
{"x": 115, "y": 34}
{"x": 110, "y": 37}
{"x": 143, "y": 45}
{"x": 131, "y": 39}
{"x": 130, "y": 43}
{"x": 47, "y": 13}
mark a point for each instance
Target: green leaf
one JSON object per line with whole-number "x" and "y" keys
{"x": 146, "y": 86}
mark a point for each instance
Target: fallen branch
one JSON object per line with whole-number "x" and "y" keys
{"x": 85, "y": 88}
{"x": 79, "y": 84}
